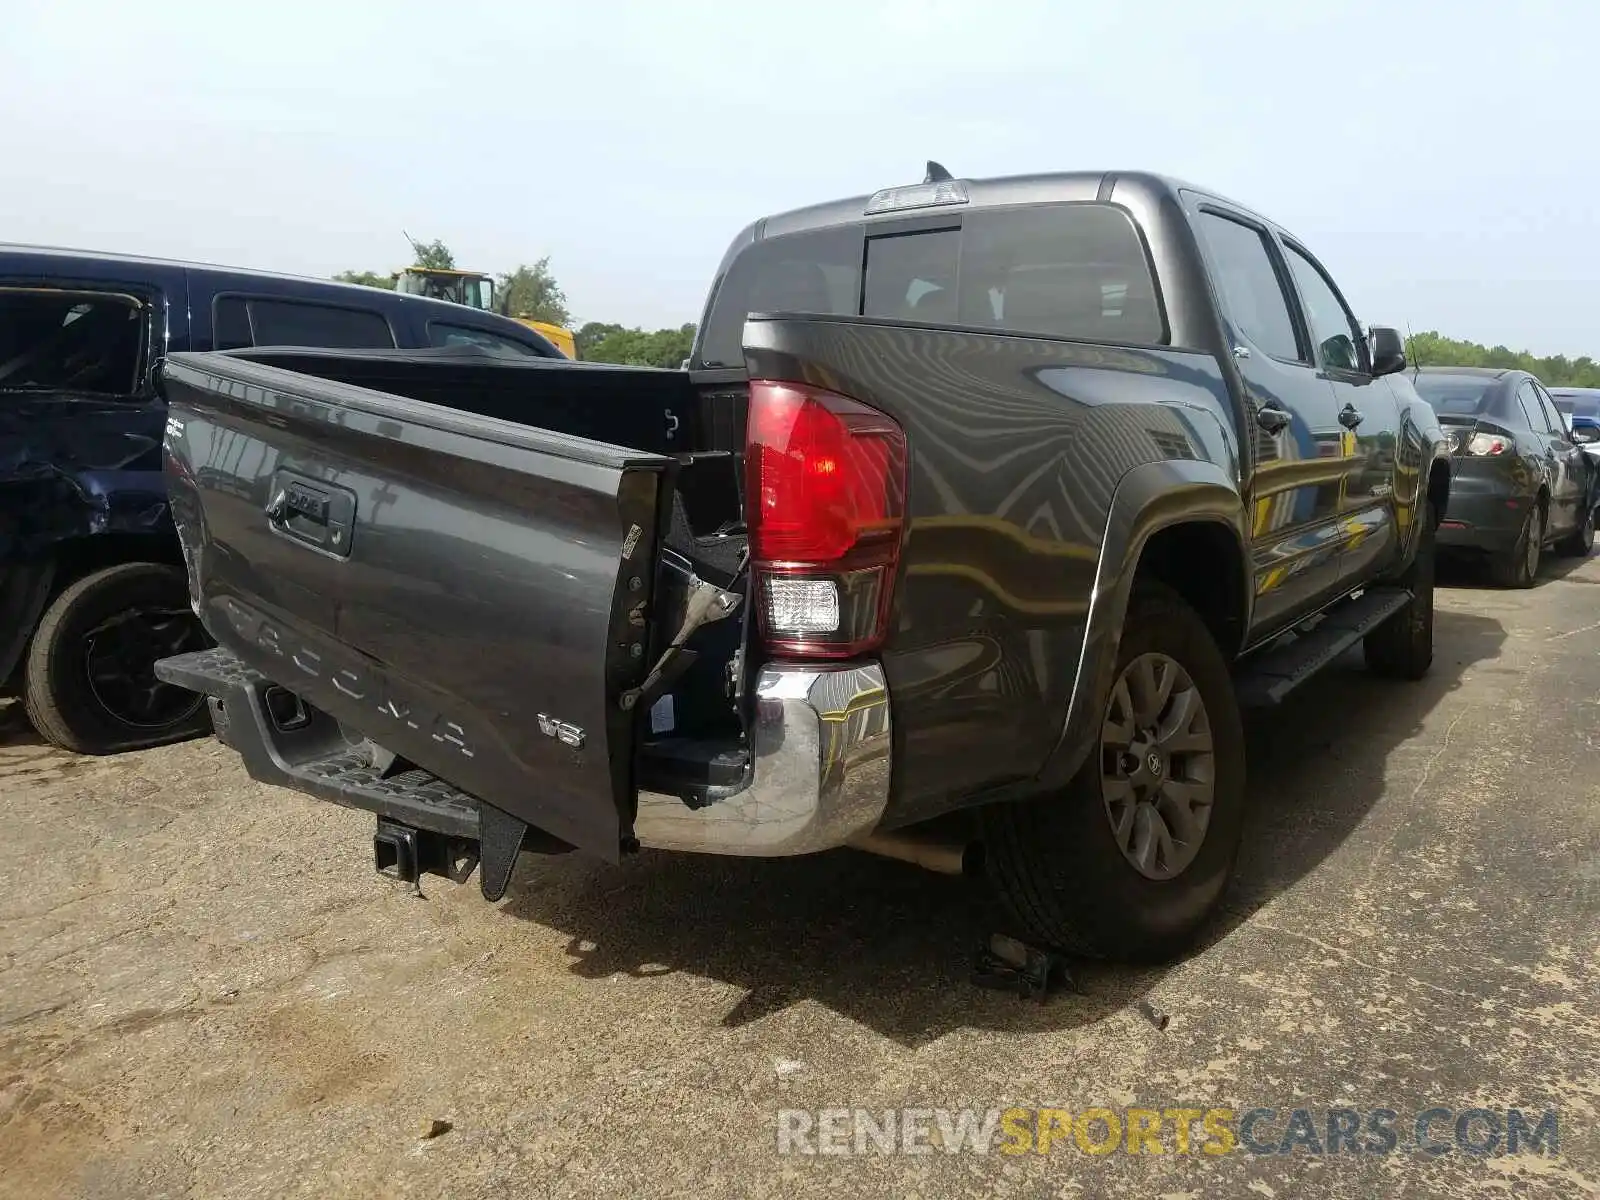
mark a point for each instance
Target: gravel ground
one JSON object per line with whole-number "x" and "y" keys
{"x": 204, "y": 989}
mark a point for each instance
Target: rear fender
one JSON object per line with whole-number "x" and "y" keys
{"x": 1148, "y": 499}
{"x": 1422, "y": 451}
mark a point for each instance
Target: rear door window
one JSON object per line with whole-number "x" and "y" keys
{"x": 1554, "y": 421}
{"x": 71, "y": 340}
{"x": 1252, "y": 291}
{"x": 1528, "y": 401}
{"x": 270, "y": 321}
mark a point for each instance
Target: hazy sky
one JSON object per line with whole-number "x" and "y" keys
{"x": 1442, "y": 158}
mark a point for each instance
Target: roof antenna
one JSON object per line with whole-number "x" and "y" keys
{"x": 1411, "y": 350}
{"x": 937, "y": 174}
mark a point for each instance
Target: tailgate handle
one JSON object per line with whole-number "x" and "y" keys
{"x": 313, "y": 513}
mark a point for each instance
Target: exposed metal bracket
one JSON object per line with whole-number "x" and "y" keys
{"x": 706, "y": 604}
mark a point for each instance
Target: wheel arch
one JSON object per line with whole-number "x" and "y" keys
{"x": 1165, "y": 520}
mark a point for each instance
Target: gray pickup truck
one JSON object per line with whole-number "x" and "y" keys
{"x": 981, "y": 510}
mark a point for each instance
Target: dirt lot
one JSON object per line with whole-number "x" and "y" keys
{"x": 204, "y": 989}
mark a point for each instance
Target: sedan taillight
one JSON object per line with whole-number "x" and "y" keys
{"x": 1484, "y": 444}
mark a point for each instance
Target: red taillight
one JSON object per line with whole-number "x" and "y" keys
{"x": 825, "y": 478}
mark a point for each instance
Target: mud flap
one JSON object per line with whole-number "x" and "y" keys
{"x": 500, "y": 837}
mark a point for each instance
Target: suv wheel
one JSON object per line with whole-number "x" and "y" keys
{"x": 1133, "y": 855}
{"x": 89, "y": 682}
{"x": 1402, "y": 647}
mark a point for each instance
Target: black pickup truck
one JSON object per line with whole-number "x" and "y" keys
{"x": 981, "y": 509}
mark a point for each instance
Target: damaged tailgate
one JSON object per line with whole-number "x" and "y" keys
{"x": 466, "y": 592}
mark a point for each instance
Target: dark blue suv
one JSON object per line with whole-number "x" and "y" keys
{"x": 92, "y": 588}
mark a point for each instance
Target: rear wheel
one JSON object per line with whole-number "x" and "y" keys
{"x": 1402, "y": 647}
{"x": 1131, "y": 857}
{"x": 1519, "y": 566}
{"x": 1580, "y": 541}
{"x": 89, "y": 681}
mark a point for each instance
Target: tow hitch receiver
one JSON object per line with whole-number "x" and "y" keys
{"x": 405, "y": 853}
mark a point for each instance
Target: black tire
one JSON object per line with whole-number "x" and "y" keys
{"x": 81, "y": 698}
{"x": 1519, "y": 566}
{"x": 1580, "y": 541}
{"x": 1402, "y": 647}
{"x": 1055, "y": 863}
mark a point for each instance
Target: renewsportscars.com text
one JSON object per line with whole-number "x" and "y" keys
{"x": 1190, "y": 1129}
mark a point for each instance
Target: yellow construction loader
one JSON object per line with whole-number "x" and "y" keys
{"x": 475, "y": 290}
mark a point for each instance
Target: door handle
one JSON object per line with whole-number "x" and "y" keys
{"x": 1273, "y": 417}
{"x": 1350, "y": 416}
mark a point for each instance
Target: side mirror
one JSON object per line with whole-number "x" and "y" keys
{"x": 1585, "y": 433}
{"x": 1388, "y": 350}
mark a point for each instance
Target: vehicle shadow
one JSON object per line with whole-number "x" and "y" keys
{"x": 1467, "y": 570}
{"x": 14, "y": 727}
{"x": 891, "y": 946}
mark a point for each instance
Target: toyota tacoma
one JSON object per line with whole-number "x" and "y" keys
{"x": 980, "y": 510}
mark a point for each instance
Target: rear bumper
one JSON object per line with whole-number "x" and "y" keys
{"x": 819, "y": 776}
{"x": 1484, "y": 517}
{"x": 819, "y": 773}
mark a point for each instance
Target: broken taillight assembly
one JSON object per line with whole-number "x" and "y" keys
{"x": 1487, "y": 444}
{"x": 826, "y": 487}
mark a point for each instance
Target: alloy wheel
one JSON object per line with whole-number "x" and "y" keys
{"x": 120, "y": 656}
{"x": 1157, "y": 766}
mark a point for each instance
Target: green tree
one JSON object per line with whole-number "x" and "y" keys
{"x": 434, "y": 255}
{"x": 532, "y": 291}
{"x": 591, "y": 335}
{"x": 660, "y": 348}
{"x": 367, "y": 279}
{"x": 1432, "y": 349}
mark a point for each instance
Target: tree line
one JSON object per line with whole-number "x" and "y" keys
{"x": 531, "y": 291}
{"x": 1433, "y": 349}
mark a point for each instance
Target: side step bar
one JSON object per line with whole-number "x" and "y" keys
{"x": 1266, "y": 678}
{"x": 424, "y": 824}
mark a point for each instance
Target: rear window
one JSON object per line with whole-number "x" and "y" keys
{"x": 442, "y": 334}
{"x": 1458, "y": 394}
{"x": 70, "y": 341}
{"x": 1066, "y": 270}
{"x": 1576, "y": 405}
{"x": 257, "y": 321}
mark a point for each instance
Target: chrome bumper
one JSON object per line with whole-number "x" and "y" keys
{"x": 820, "y": 771}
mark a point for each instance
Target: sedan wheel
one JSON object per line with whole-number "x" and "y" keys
{"x": 1519, "y": 568}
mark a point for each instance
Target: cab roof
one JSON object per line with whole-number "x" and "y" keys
{"x": 1042, "y": 188}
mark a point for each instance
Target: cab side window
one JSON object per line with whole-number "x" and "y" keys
{"x": 1333, "y": 330}
{"x": 261, "y": 321}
